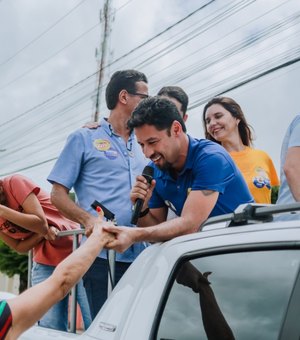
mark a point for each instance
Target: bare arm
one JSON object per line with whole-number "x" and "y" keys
{"x": 292, "y": 169}
{"x": 214, "y": 322}
{"x": 60, "y": 198}
{"x": 196, "y": 210}
{"x": 22, "y": 246}
{"x": 32, "y": 218}
{"x": 28, "y": 307}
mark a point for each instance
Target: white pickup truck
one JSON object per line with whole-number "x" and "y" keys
{"x": 254, "y": 289}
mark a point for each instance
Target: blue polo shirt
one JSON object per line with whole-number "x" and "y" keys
{"x": 100, "y": 166}
{"x": 208, "y": 166}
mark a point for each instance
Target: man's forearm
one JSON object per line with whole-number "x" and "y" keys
{"x": 147, "y": 220}
{"x": 166, "y": 230}
{"x": 294, "y": 184}
{"x": 69, "y": 208}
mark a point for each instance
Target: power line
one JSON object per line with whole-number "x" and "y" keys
{"x": 64, "y": 92}
{"x": 199, "y": 103}
{"x": 248, "y": 80}
{"x": 30, "y": 166}
{"x": 49, "y": 99}
{"x": 124, "y": 5}
{"x": 41, "y": 34}
{"x": 160, "y": 33}
{"x": 47, "y": 59}
{"x": 115, "y": 61}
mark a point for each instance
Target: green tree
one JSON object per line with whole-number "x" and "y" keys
{"x": 12, "y": 263}
{"x": 274, "y": 194}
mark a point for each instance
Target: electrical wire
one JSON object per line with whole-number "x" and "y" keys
{"x": 39, "y": 36}
{"x": 272, "y": 36}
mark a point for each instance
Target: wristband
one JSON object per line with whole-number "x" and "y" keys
{"x": 144, "y": 213}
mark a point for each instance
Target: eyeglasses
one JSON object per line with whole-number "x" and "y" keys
{"x": 141, "y": 95}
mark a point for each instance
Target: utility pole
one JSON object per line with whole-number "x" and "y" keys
{"x": 105, "y": 18}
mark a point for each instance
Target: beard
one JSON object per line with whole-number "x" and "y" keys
{"x": 166, "y": 166}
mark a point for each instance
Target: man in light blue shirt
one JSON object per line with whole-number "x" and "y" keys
{"x": 102, "y": 164}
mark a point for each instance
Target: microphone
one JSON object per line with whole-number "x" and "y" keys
{"x": 148, "y": 174}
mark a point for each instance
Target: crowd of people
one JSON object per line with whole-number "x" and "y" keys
{"x": 193, "y": 179}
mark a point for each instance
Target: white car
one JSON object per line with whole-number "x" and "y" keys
{"x": 254, "y": 290}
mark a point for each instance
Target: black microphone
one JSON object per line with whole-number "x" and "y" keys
{"x": 148, "y": 174}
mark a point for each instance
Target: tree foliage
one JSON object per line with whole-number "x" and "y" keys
{"x": 12, "y": 263}
{"x": 274, "y": 194}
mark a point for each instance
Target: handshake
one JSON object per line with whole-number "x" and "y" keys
{"x": 116, "y": 238}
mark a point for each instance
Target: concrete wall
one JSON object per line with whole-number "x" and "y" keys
{"x": 9, "y": 284}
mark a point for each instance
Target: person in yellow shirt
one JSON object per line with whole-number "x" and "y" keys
{"x": 225, "y": 123}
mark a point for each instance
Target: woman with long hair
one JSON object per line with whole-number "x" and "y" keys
{"x": 225, "y": 123}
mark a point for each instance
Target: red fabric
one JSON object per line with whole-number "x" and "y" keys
{"x": 17, "y": 188}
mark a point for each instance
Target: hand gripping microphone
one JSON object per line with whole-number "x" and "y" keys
{"x": 148, "y": 174}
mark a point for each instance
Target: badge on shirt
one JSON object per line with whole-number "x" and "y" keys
{"x": 101, "y": 144}
{"x": 111, "y": 154}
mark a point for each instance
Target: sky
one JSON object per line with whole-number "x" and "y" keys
{"x": 49, "y": 75}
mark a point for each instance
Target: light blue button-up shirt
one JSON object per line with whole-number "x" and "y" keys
{"x": 101, "y": 166}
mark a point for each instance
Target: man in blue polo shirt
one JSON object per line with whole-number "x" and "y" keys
{"x": 102, "y": 164}
{"x": 195, "y": 178}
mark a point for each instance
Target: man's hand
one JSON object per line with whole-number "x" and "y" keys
{"x": 99, "y": 231}
{"x": 124, "y": 237}
{"x": 141, "y": 189}
{"x": 91, "y": 125}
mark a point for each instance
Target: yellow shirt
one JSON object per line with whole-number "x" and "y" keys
{"x": 258, "y": 171}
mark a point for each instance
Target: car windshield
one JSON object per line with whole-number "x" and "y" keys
{"x": 247, "y": 298}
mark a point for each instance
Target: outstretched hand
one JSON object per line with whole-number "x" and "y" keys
{"x": 97, "y": 227}
{"x": 106, "y": 236}
{"x": 124, "y": 237}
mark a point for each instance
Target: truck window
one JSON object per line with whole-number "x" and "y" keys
{"x": 247, "y": 297}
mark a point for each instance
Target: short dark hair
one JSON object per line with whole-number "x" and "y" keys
{"x": 177, "y": 93}
{"x": 236, "y": 111}
{"x": 122, "y": 80}
{"x": 156, "y": 111}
